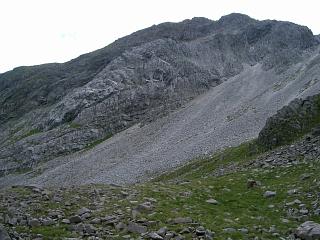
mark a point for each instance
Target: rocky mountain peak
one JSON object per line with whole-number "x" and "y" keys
{"x": 236, "y": 17}
{"x": 235, "y": 21}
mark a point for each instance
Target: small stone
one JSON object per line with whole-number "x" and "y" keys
{"x": 155, "y": 236}
{"x": 89, "y": 229}
{"x": 305, "y": 176}
{"x": 54, "y": 214}
{"x": 162, "y": 231}
{"x": 34, "y": 223}
{"x": 212, "y": 201}
{"x": 144, "y": 207}
{"x": 120, "y": 226}
{"x": 86, "y": 215}
{"x": 317, "y": 212}
{"x": 48, "y": 222}
{"x": 251, "y": 183}
{"x": 96, "y": 221}
{"x": 124, "y": 194}
{"x": 65, "y": 221}
{"x": 200, "y": 231}
{"x": 285, "y": 220}
{"x": 229, "y": 230}
{"x": 135, "y": 214}
{"x": 243, "y": 230}
{"x": 269, "y": 194}
{"x": 304, "y": 211}
{"x": 136, "y": 228}
{"x": 78, "y": 228}
{"x": 272, "y": 229}
{"x": 185, "y": 231}
{"x": 179, "y": 237}
{"x": 75, "y": 219}
{"x": 13, "y": 221}
{"x": 297, "y": 201}
{"x": 83, "y": 211}
{"x": 169, "y": 235}
{"x": 292, "y": 191}
{"x": 209, "y": 235}
{"x": 302, "y": 205}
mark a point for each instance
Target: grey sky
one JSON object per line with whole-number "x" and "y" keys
{"x": 41, "y": 31}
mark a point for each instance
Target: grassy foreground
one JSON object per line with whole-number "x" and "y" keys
{"x": 241, "y": 212}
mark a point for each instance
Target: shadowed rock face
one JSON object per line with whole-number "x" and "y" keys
{"x": 56, "y": 109}
{"x": 291, "y": 122}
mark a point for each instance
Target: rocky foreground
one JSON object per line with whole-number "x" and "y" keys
{"x": 232, "y": 195}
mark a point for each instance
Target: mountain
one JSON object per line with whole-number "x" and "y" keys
{"x": 156, "y": 99}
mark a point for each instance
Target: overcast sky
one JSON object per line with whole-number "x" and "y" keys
{"x": 41, "y": 31}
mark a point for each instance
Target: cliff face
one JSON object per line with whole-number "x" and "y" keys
{"x": 56, "y": 109}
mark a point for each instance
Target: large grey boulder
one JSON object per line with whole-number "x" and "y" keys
{"x": 308, "y": 231}
{"x": 4, "y": 234}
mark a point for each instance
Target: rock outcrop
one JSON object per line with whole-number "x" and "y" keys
{"x": 290, "y": 122}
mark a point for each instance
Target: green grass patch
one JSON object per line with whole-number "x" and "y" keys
{"x": 97, "y": 142}
{"x": 23, "y": 170}
{"x": 239, "y": 207}
{"x": 52, "y": 232}
{"x": 28, "y": 134}
{"x": 204, "y": 166}
{"x": 17, "y": 129}
{"x": 75, "y": 125}
{"x": 31, "y": 132}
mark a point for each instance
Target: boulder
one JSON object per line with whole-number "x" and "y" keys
{"x": 34, "y": 223}
{"x": 136, "y": 228}
{"x": 4, "y": 234}
{"x": 75, "y": 219}
{"x": 155, "y": 236}
{"x": 308, "y": 231}
{"x": 269, "y": 194}
{"x": 212, "y": 201}
{"x": 83, "y": 211}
